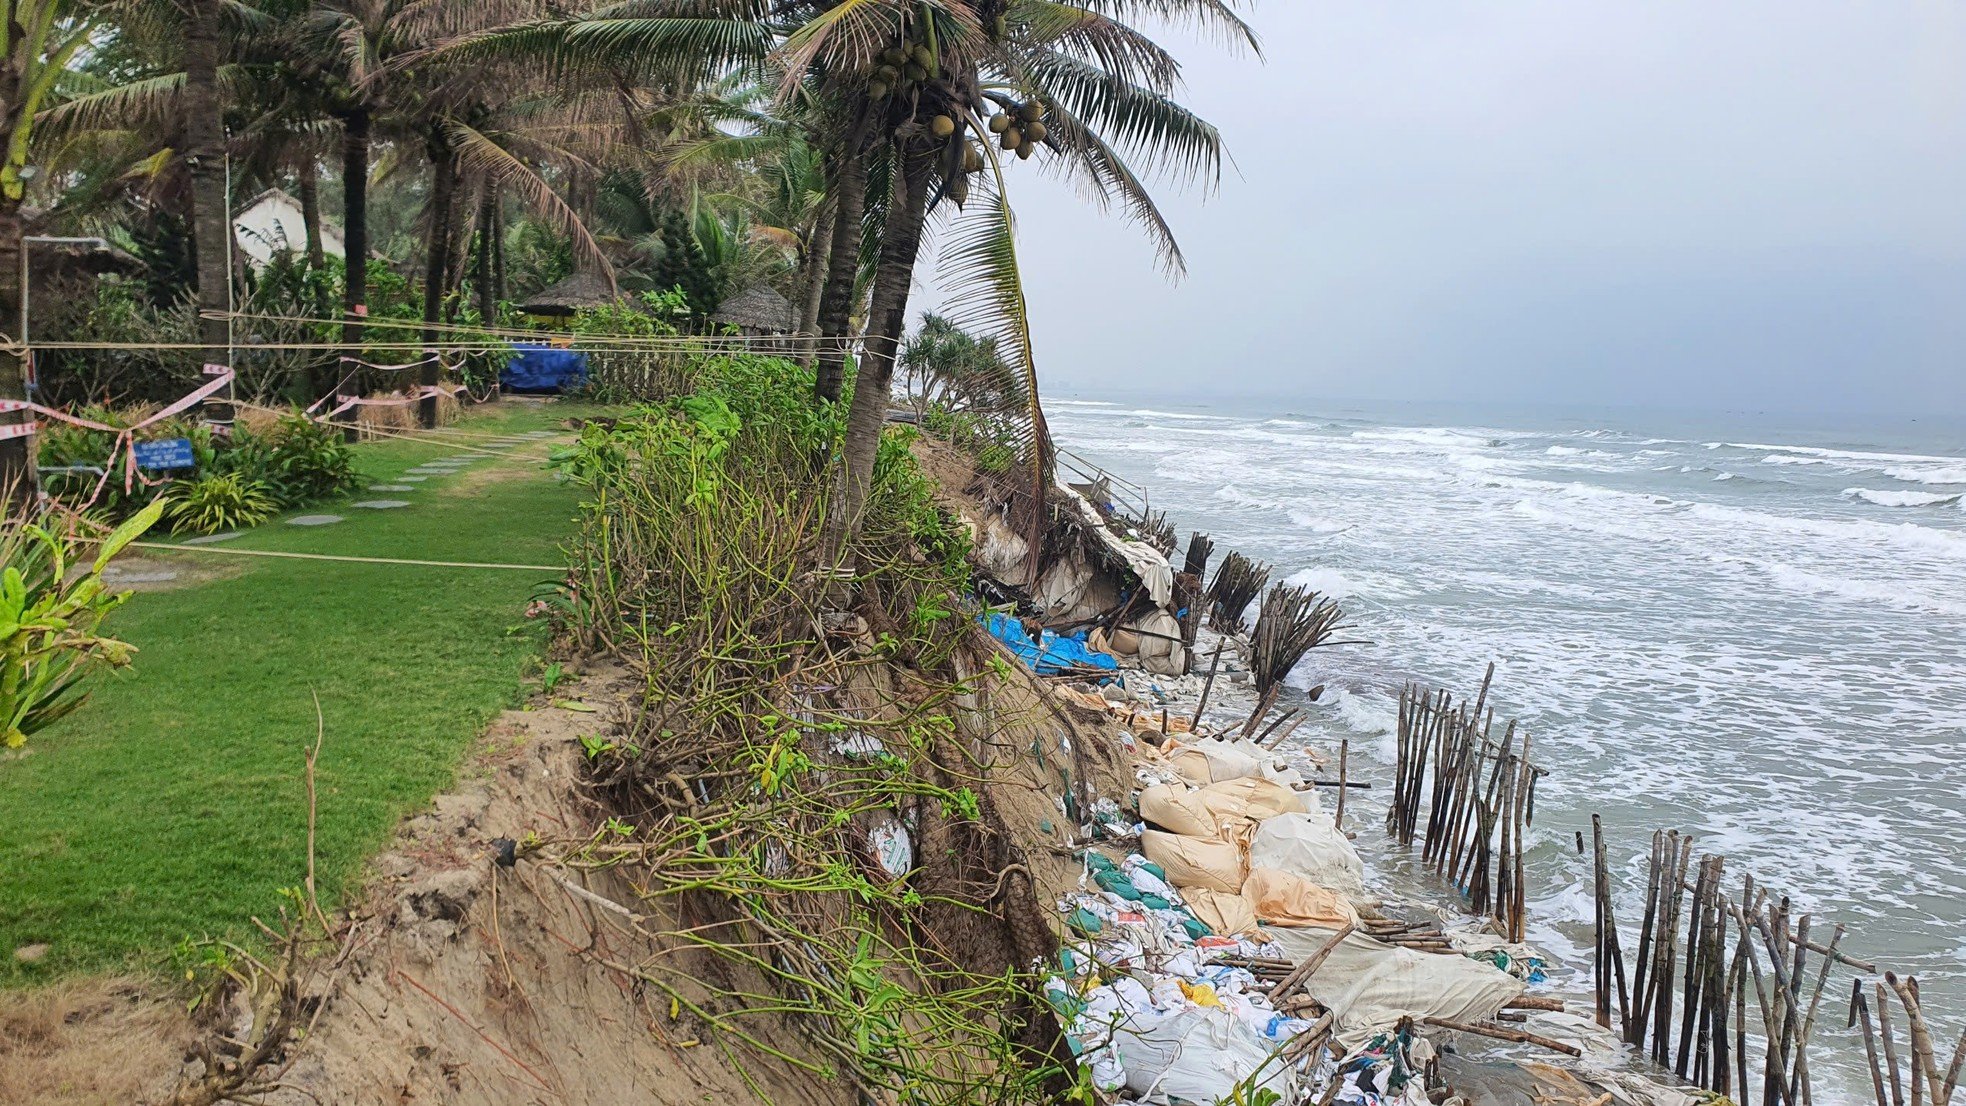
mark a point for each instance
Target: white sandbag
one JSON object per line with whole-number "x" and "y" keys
{"x": 1369, "y": 985}
{"x": 1308, "y": 845}
{"x": 1160, "y": 649}
{"x": 1195, "y": 861}
{"x": 1177, "y": 809}
{"x": 1226, "y": 762}
{"x": 1197, "y": 1055}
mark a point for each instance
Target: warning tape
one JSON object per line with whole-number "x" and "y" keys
{"x": 125, "y": 443}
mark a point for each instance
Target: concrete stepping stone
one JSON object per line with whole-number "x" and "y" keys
{"x": 409, "y": 480}
{"x": 212, "y": 539}
{"x": 460, "y": 459}
{"x": 313, "y": 520}
{"x": 118, "y": 575}
{"x": 392, "y": 487}
{"x": 382, "y": 504}
{"x": 542, "y": 434}
{"x": 426, "y": 472}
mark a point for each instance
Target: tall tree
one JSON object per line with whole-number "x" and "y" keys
{"x": 211, "y": 214}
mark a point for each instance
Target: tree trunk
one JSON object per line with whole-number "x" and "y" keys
{"x": 481, "y": 278}
{"x": 812, "y": 280}
{"x": 308, "y": 172}
{"x": 436, "y": 261}
{"x": 842, "y": 267}
{"x": 18, "y": 478}
{"x": 211, "y": 217}
{"x": 901, "y": 240}
{"x": 498, "y": 253}
{"x": 355, "y": 246}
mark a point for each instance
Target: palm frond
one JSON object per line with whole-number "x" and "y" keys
{"x": 478, "y": 154}
{"x": 1217, "y": 18}
{"x": 1146, "y": 124}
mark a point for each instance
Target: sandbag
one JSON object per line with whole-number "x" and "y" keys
{"x": 1308, "y": 845}
{"x": 1227, "y": 915}
{"x": 1369, "y": 985}
{"x": 1197, "y": 1055}
{"x": 1226, "y": 762}
{"x": 1158, "y": 643}
{"x": 1191, "y": 764}
{"x": 1195, "y": 861}
{"x": 1177, "y": 809}
{"x": 1249, "y": 799}
{"x": 1282, "y": 899}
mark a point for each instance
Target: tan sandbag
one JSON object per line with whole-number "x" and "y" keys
{"x": 1249, "y": 799}
{"x": 1227, "y": 762}
{"x": 1308, "y": 845}
{"x": 1370, "y": 985}
{"x": 1177, "y": 809}
{"x": 1190, "y": 764}
{"x": 1124, "y": 642}
{"x": 1226, "y": 915}
{"x": 1195, "y": 861}
{"x": 1282, "y": 899}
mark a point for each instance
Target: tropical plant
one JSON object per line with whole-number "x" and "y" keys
{"x": 307, "y": 460}
{"x": 220, "y": 501}
{"x": 50, "y": 616}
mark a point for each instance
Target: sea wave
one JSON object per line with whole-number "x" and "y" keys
{"x": 1834, "y": 454}
{"x": 1904, "y": 499}
{"x": 1891, "y": 593}
{"x": 1951, "y": 474}
{"x": 1328, "y": 582}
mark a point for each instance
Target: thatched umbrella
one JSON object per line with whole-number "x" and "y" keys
{"x": 568, "y": 297}
{"x": 758, "y": 310}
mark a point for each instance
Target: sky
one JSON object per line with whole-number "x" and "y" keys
{"x": 1711, "y": 205}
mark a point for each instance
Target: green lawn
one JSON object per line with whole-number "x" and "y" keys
{"x": 172, "y": 805}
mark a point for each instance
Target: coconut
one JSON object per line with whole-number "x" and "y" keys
{"x": 914, "y": 72}
{"x": 923, "y": 57}
{"x": 1031, "y": 112}
{"x": 972, "y": 160}
{"x": 877, "y": 90}
{"x": 942, "y": 126}
{"x": 888, "y": 73}
{"x": 1012, "y": 138}
{"x": 1035, "y": 131}
{"x": 999, "y": 124}
{"x": 895, "y": 56}
{"x": 1024, "y": 151}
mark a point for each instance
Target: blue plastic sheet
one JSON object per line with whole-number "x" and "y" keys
{"x": 1051, "y": 655}
{"x": 540, "y": 368}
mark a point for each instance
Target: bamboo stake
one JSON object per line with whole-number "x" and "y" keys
{"x": 1208, "y": 684}
{"x": 1311, "y": 963}
{"x": 1344, "y": 777}
{"x": 1517, "y": 1036}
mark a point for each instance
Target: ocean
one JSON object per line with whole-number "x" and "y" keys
{"x": 1752, "y": 634}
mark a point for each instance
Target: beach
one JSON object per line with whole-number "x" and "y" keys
{"x": 1748, "y": 633}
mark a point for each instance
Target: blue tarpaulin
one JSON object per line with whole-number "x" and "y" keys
{"x": 1052, "y": 654}
{"x": 538, "y": 368}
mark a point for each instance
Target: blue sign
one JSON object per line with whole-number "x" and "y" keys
{"x": 165, "y": 453}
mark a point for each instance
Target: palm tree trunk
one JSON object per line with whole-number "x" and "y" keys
{"x": 498, "y": 254}
{"x": 481, "y": 277}
{"x": 18, "y": 478}
{"x": 354, "y": 243}
{"x": 211, "y": 229}
{"x": 901, "y": 240}
{"x": 436, "y": 260}
{"x": 849, "y": 187}
{"x": 310, "y": 212}
{"x": 812, "y": 278}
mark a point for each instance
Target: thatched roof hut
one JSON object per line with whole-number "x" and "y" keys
{"x": 568, "y": 297}
{"x": 758, "y": 309}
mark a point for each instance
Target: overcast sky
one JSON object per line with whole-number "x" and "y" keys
{"x": 1711, "y": 204}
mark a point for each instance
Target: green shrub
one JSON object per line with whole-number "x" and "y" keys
{"x": 307, "y": 460}
{"x": 209, "y": 504}
{"x": 49, "y": 616}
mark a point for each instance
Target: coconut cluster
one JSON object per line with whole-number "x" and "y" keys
{"x": 1020, "y": 128}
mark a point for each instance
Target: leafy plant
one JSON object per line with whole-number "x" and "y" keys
{"x": 49, "y": 616}
{"x": 226, "y": 501}
{"x": 308, "y": 460}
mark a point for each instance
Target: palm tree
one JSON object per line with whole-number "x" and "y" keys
{"x": 40, "y": 38}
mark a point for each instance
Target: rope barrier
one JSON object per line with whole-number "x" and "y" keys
{"x": 518, "y": 332}
{"x": 125, "y": 442}
{"x": 336, "y": 557}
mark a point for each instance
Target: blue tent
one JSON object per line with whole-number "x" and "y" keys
{"x": 542, "y": 368}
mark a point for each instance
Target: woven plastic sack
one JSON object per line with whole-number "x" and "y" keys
{"x": 1195, "y": 861}
{"x": 1249, "y": 799}
{"x": 1177, "y": 809}
{"x": 1282, "y": 899}
{"x": 1223, "y": 914}
{"x": 1308, "y": 845}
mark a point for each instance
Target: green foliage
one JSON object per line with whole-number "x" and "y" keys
{"x": 306, "y": 460}
{"x": 49, "y": 617}
{"x": 226, "y": 501}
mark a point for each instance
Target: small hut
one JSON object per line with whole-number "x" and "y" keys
{"x": 758, "y": 312}
{"x": 566, "y": 299}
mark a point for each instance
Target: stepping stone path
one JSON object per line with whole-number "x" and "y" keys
{"x": 392, "y": 488}
{"x": 409, "y": 480}
{"x": 313, "y": 520}
{"x": 212, "y": 539}
{"x": 116, "y": 575}
{"x": 460, "y": 459}
{"x": 426, "y": 471}
{"x": 382, "y": 504}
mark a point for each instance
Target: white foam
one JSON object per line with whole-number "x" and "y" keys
{"x": 1903, "y": 499}
{"x": 1317, "y": 524}
{"x": 1838, "y": 454}
{"x": 1328, "y": 582}
{"x": 1723, "y": 476}
{"x": 1890, "y": 593}
{"x": 1952, "y": 474}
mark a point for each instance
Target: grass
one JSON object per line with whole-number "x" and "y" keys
{"x": 172, "y": 805}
